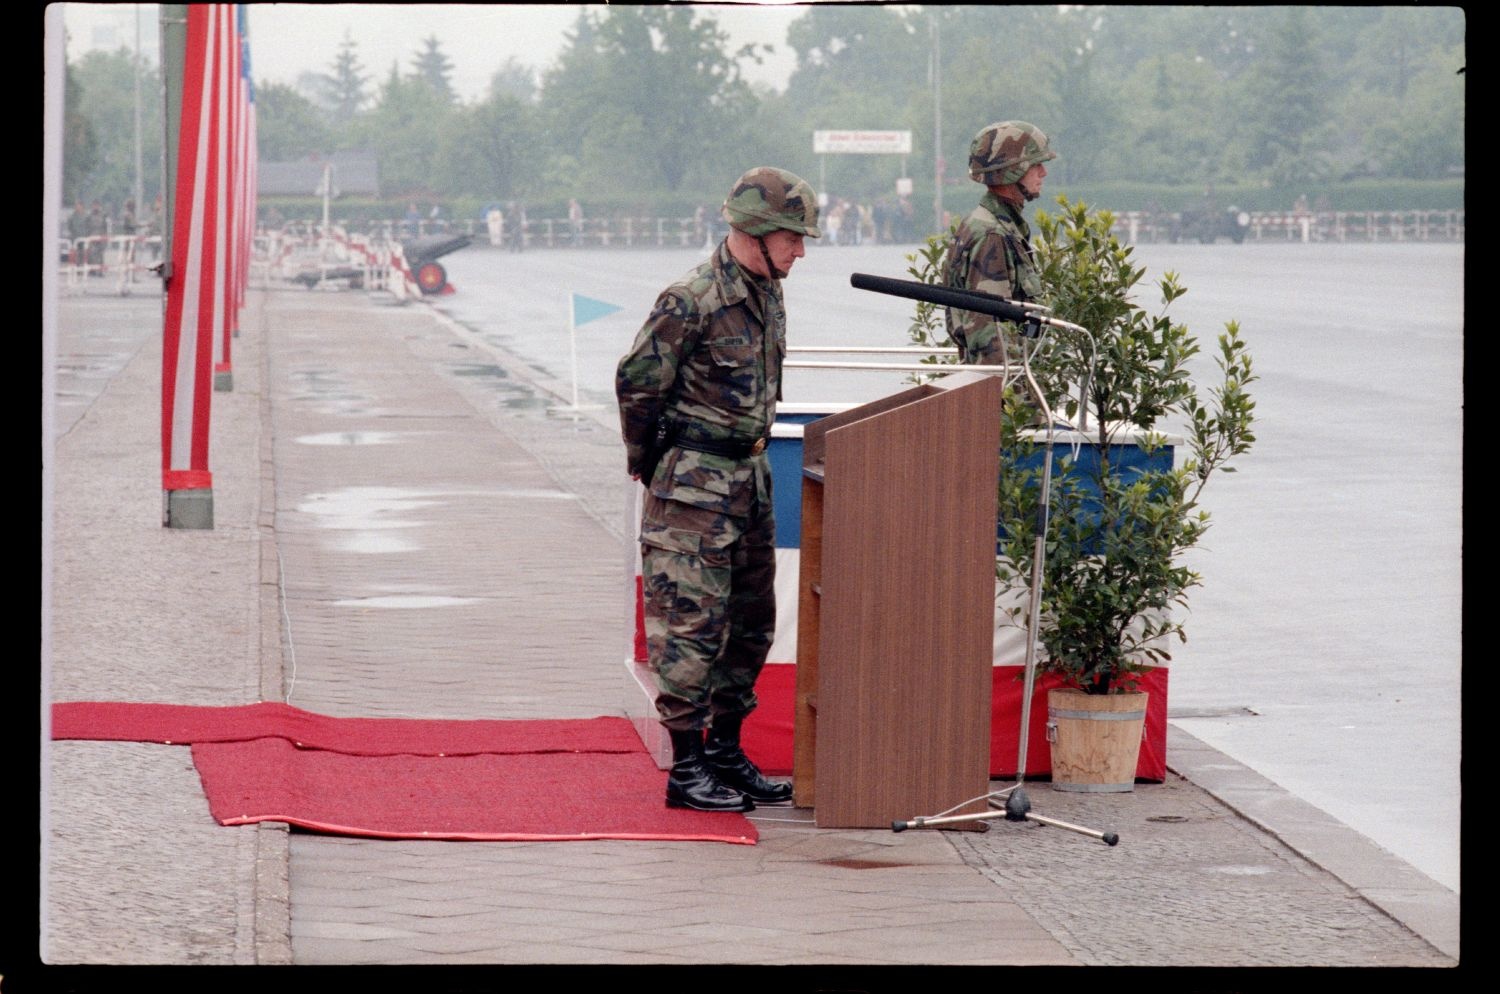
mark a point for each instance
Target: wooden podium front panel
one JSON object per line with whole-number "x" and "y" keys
{"x": 906, "y": 613}
{"x": 809, "y": 596}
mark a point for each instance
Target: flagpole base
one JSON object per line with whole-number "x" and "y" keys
{"x": 192, "y": 508}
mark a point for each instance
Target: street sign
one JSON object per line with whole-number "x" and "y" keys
{"x": 864, "y": 142}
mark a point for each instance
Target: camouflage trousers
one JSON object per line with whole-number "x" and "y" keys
{"x": 710, "y": 606}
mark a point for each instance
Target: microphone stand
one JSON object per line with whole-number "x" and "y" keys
{"x": 1017, "y": 806}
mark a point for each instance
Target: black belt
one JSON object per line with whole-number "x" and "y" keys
{"x": 731, "y": 450}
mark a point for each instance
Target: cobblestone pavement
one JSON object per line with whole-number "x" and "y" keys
{"x": 1191, "y": 883}
{"x": 137, "y": 871}
{"x": 404, "y": 528}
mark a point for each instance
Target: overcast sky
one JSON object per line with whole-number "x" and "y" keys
{"x": 288, "y": 39}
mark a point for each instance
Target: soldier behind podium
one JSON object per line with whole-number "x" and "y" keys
{"x": 697, "y": 394}
{"x": 991, "y": 248}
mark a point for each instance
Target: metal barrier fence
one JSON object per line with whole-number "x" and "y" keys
{"x": 1310, "y": 226}
{"x": 108, "y": 263}
{"x": 117, "y": 263}
{"x": 627, "y": 232}
{"x": 1132, "y": 226}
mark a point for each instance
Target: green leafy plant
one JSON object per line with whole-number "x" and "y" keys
{"x": 927, "y": 325}
{"x": 1120, "y": 514}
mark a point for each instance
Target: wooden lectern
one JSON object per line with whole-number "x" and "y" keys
{"x": 896, "y": 606}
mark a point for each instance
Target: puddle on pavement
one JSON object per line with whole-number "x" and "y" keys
{"x": 367, "y": 508}
{"x": 365, "y": 515}
{"x": 478, "y": 369}
{"x": 1240, "y": 871}
{"x": 328, "y": 387}
{"x": 373, "y": 543}
{"x": 862, "y": 864}
{"x": 513, "y": 395}
{"x": 87, "y": 367}
{"x": 353, "y": 438}
{"x": 407, "y": 601}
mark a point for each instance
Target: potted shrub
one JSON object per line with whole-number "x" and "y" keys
{"x": 1120, "y": 516}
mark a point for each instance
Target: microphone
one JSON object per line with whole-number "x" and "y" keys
{"x": 969, "y": 300}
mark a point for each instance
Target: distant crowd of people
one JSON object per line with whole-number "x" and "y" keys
{"x": 884, "y": 221}
{"x": 100, "y": 221}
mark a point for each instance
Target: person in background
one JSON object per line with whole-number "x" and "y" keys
{"x": 515, "y": 223}
{"x": 78, "y": 229}
{"x": 990, "y": 249}
{"x": 575, "y": 222}
{"x": 97, "y": 229}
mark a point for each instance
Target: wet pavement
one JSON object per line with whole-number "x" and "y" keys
{"x": 405, "y": 525}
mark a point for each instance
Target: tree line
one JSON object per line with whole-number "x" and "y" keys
{"x": 647, "y": 108}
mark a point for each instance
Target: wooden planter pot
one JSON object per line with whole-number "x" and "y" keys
{"x": 1095, "y": 739}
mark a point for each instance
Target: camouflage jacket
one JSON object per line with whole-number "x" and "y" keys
{"x": 990, "y": 251}
{"x": 709, "y": 357}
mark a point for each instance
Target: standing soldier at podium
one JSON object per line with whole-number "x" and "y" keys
{"x": 697, "y": 394}
{"x": 991, "y": 248}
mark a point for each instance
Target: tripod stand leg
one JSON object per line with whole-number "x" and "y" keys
{"x": 1108, "y": 838}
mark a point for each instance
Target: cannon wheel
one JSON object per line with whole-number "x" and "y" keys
{"x": 432, "y": 277}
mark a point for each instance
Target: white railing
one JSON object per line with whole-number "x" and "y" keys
{"x": 1299, "y": 226}
{"x": 1131, "y": 226}
{"x": 114, "y": 264}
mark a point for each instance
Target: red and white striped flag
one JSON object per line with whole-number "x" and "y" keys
{"x": 195, "y": 292}
{"x": 244, "y": 161}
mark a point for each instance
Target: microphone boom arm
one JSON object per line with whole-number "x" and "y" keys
{"x": 972, "y": 300}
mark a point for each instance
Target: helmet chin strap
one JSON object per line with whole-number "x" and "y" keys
{"x": 765, "y": 254}
{"x": 1011, "y": 193}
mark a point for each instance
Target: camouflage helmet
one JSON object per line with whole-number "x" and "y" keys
{"x": 1001, "y": 153}
{"x": 766, "y": 199}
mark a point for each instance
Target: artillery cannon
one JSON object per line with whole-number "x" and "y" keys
{"x": 1208, "y": 224}
{"x": 422, "y": 255}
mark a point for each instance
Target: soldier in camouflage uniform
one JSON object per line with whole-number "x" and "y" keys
{"x": 698, "y": 393}
{"x": 991, "y": 248}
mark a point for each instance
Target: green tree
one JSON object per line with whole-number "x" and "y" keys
{"x": 855, "y": 69}
{"x": 348, "y": 80}
{"x": 105, "y": 102}
{"x": 403, "y": 130}
{"x": 492, "y": 150}
{"x": 1421, "y": 136}
{"x": 288, "y": 125}
{"x": 80, "y": 146}
{"x": 995, "y": 66}
{"x": 1173, "y": 119}
{"x": 432, "y": 67}
{"x": 840, "y": 48}
{"x": 1286, "y": 104}
{"x": 1084, "y": 105}
{"x": 514, "y": 80}
{"x": 646, "y": 92}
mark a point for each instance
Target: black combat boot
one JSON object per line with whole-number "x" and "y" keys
{"x": 733, "y": 768}
{"x": 691, "y": 784}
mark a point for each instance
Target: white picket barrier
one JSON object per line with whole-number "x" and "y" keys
{"x": 403, "y": 282}
{"x": 109, "y": 263}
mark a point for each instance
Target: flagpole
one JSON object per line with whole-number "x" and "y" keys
{"x": 592, "y": 309}
{"x": 573, "y": 343}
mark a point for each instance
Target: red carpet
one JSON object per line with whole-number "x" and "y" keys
{"x": 406, "y": 778}
{"x": 181, "y": 724}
